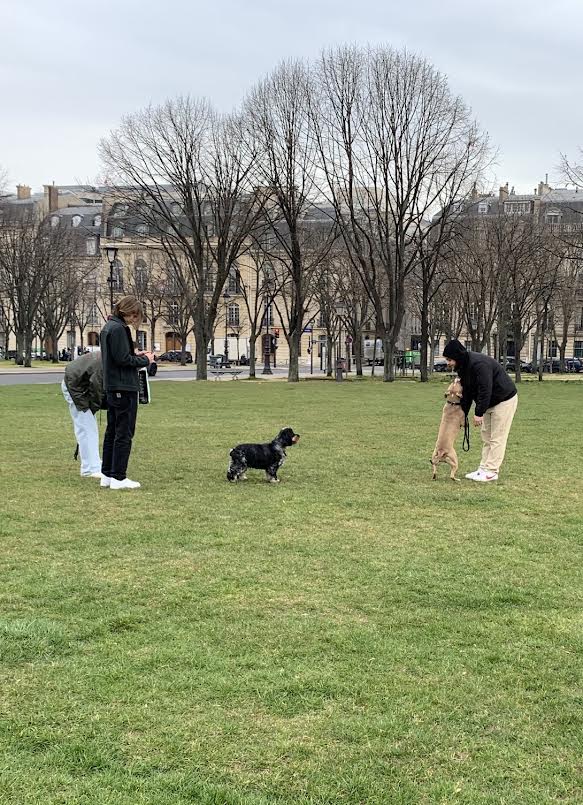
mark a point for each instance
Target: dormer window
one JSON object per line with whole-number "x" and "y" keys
{"x": 142, "y": 229}
{"x": 76, "y": 220}
{"x": 118, "y": 210}
{"x": 483, "y": 208}
{"x": 117, "y": 232}
{"x": 175, "y": 208}
{"x": 97, "y": 220}
{"x": 553, "y": 216}
{"x": 55, "y": 220}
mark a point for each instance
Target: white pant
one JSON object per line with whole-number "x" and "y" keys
{"x": 87, "y": 435}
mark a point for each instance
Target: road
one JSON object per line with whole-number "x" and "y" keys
{"x": 12, "y": 377}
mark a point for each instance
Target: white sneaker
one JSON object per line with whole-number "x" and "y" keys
{"x": 486, "y": 476}
{"x": 125, "y": 484}
{"x": 105, "y": 482}
{"x": 473, "y": 476}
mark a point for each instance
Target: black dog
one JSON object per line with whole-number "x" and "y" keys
{"x": 268, "y": 457}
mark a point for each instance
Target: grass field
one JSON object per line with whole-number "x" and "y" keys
{"x": 356, "y": 634}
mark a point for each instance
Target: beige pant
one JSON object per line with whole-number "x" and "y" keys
{"x": 495, "y": 430}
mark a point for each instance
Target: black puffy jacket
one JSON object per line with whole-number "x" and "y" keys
{"x": 484, "y": 382}
{"x": 120, "y": 364}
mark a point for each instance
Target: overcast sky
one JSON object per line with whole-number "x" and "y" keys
{"x": 70, "y": 70}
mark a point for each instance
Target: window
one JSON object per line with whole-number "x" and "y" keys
{"x": 97, "y": 220}
{"x": 55, "y": 220}
{"x": 269, "y": 317}
{"x": 93, "y": 316}
{"x": 234, "y": 285}
{"x": 117, "y": 232}
{"x": 553, "y": 216}
{"x": 321, "y": 319}
{"x": 141, "y": 276}
{"x": 118, "y": 210}
{"x": 578, "y": 351}
{"x": 233, "y": 315}
{"x": 517, "y": 207}
{"x": 172, "y": 313}
{"x": 554, "y": 349}
{"x": 172, "y": 282}
{"x": 76, "y": 220}
{"x": 209, "y": 284}
{"x": 141, "y": 339}
{"x": 175, "y": 208}
{"x": 483, "y": 208}
{"x": 91, "y": 247}
{"x": 142, "y": 229}
{"x": 117, "y": 276}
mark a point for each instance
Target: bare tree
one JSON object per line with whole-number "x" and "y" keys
{"x": 280, "y": 128}
{"x": 33, "y": 256}
{"x": 394, "y": 146}
{"x": 184, "y": 172}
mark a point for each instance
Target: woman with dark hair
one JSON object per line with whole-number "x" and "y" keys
{"x": 120, "y": 380}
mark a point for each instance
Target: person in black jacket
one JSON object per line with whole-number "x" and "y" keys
{"x": 485, "y": 382}
{"x": 120, "y": 379}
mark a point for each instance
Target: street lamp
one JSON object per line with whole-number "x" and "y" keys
{"x": 111, "y": 254}
{"x": 267, "y": 337}
{"x": 226, "y": 297}
{"x": 340, "y": 312}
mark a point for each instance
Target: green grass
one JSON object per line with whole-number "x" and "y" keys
{"x": 356, "y": 634}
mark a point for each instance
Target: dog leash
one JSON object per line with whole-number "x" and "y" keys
{"x": 466, "y": 434}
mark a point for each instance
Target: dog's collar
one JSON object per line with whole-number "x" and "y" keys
{"x": 451, "y": 403}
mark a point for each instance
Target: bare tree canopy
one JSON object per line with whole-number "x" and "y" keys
{"x": 185, "y": 171}
{"x": 394, "y": 146}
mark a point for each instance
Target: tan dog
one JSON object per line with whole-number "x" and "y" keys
{"x": 452, "y": 420}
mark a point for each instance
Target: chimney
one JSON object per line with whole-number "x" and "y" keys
{"x": 22, "y": 191}
{"x": 503, "y": 194}
{"x": 474, "y": 196}
{"x": 52, "y": 193}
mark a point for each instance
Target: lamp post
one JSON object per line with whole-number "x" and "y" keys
{"x": 266, "y": 337}
{"x": 111, "y": 253}
{"x": 340, "y": 312}
{"x": 226, "y": 297}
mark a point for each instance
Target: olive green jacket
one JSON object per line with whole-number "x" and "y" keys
{"x": 84, "y": 381}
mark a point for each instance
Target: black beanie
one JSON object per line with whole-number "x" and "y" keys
{"x": 455, "y": 351}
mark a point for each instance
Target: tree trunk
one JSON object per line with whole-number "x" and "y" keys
{"x": 27, "y": 346}
{"x": 358, "y": 354}
{"x": 19, "y": 348}
{"x": 388, "y": 369}
{"x": 201, "y": 356}
{"x": 183, "y": 350}
{"x": 424, "y": 342}
{"x": 517, "y": 334}
{"x": 293, "y": 375}
{"x": 252, "y": 342}
{"x": 55, "y": 347}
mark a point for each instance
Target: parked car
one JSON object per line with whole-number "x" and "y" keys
{"x": 525, "y": 366}
{"x": 440, "y": 365}
{"x": 573, "y": 364}
{"x": 218, "y": 362}
{"x": 175, "y": 356}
